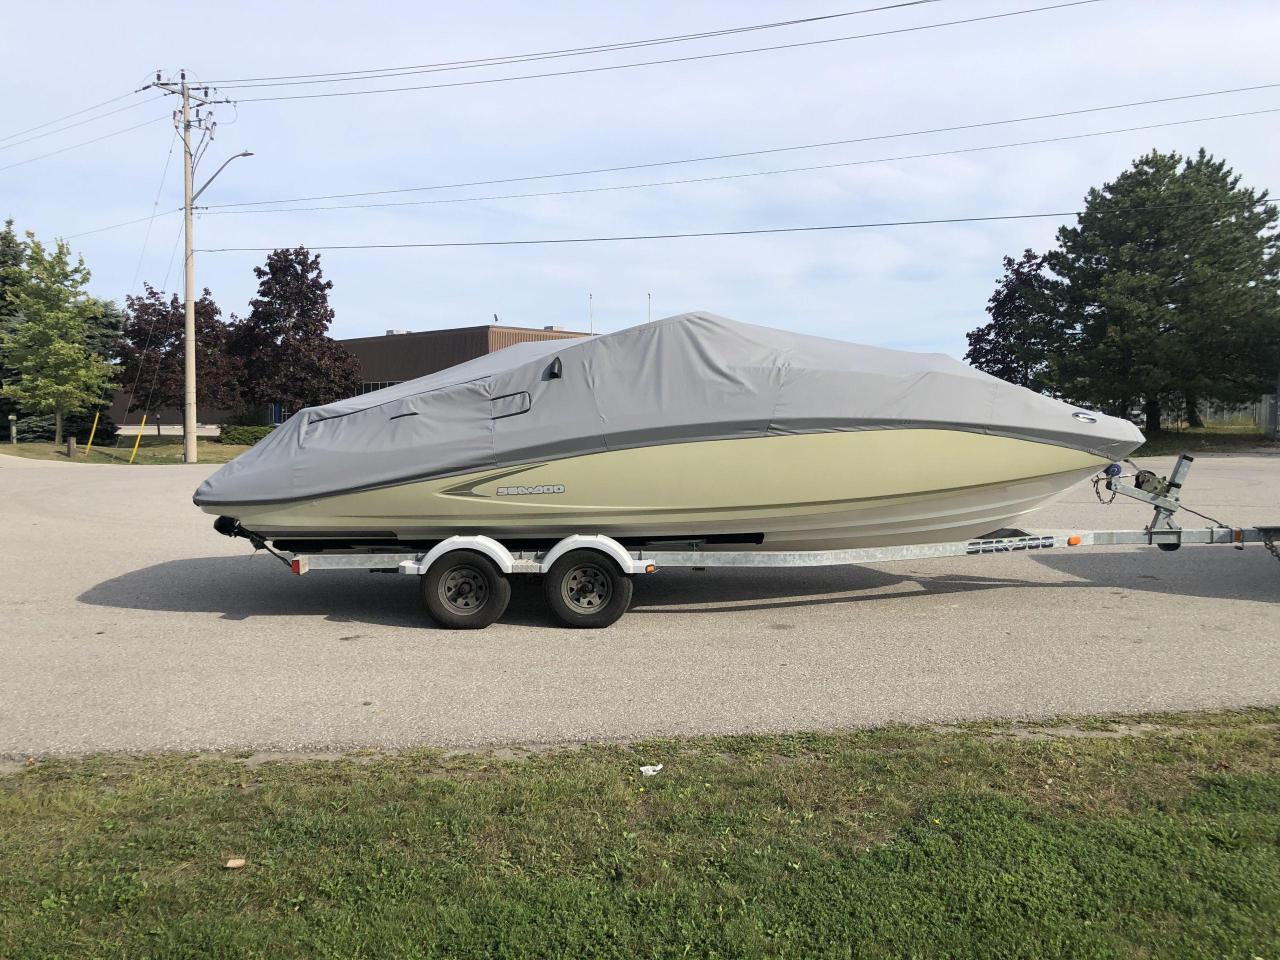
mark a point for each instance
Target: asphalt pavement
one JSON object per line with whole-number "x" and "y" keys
{"x": 128, "y": 624}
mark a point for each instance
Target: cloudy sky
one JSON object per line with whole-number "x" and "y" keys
{"x": 917, "y": 287}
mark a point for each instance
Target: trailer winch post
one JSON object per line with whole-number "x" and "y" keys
{"x": 1163, "y": 493}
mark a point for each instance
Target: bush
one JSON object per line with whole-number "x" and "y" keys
{"x": 237, "y": 433}
{"x": 78, "y": 425}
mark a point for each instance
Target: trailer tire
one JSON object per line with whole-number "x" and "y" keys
{"x": 586, "y": 589}
{"x": 465, "y": 590}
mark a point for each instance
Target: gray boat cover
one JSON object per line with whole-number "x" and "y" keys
{"x": 696, "y": 376}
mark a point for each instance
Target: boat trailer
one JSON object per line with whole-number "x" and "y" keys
{"x": 587, "y": 583}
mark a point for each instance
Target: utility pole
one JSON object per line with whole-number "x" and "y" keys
{"x": 204, "y": 122}
{"x": 189, "y": 454}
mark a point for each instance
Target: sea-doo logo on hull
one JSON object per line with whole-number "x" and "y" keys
{"x": 539, "y": 490}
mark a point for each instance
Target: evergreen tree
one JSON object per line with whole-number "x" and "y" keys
{"x": 13, "y": 254}
{"x": 283, "y": 343}
{"x": 1166, "y": 291}
{"x": 46, "y": 344}
{"x": 1170, "y": 289}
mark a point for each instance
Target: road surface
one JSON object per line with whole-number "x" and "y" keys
{"x": 128, "y": 624}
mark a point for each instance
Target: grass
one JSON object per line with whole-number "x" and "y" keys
{"x": 151, "y": 450}
{"x": 1215, "y": 439}
{"x": 1156, "y": 839}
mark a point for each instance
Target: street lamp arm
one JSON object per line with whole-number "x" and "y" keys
{"x": 237, "y": 156}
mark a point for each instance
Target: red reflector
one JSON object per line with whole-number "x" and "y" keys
{"x": 296, "y": 565}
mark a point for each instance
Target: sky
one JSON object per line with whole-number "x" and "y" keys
{"x": 910, "y": 287}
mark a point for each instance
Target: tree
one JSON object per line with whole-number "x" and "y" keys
{"x": 1019, "y": 343}
{"x": 104, "y": 327}
{"x": 54, "y": 369}
{"x": 152, "y": 350}
{"x": 283, "y": 343}
{"x": 1166, "y": 290}
{"x": 1170, "y": 289}
{"x": 13, "y": 254}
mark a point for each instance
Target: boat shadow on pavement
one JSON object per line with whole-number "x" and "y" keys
{"x": 1252, "y": 576}
{"x": 239, "y": 588}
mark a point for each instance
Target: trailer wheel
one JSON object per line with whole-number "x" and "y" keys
{"x": 465, "y": 590}
{"x": 586, "y": 589}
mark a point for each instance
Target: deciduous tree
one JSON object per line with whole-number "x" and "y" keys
{"x": 1020, "y": 342}
{"x": 152, "y": 351}
{"x": 53, "y": 368}
{"x": 287, "y": 354}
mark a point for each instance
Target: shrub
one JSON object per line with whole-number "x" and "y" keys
{"x": 239, "y": 433}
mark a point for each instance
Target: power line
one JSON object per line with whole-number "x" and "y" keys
{"x": 83, "y": 143}
{"x": 125, "y": 223}
{"x": 224, "y": 208}
{"x": 757, "y": 173}
{"x": 173, "y": 255}
{"x": 936, "y": 221}
{"x": 377, "y": 73}
{"x": 748, "y": 153}
{"x": 75, "y": 113}
{"x": 669, "y": 60}
{"x": 78, "y": 123}
{"x": 155, "y": 206}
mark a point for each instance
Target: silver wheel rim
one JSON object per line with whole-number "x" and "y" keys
{"x": 464, "y": 590}
{"x": 586, "y": 588}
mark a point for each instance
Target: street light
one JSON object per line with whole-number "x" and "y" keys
{"x": 243, "y": 153}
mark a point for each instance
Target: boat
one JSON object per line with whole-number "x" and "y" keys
{"x": 691, "y": 429}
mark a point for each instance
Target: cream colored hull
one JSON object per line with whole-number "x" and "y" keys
{"x": 809, "y": 491}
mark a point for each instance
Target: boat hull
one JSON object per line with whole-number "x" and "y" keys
{"x": 807, "y": 491}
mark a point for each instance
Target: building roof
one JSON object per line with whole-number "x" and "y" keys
{"x": 394, "y": 357}
{"x": 519, "y": 334}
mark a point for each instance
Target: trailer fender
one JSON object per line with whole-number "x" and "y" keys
{"x": 491, "y": 548}
{"x": 606, "y": 545}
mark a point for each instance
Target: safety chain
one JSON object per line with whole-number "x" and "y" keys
{"x": 1269, "y": 542}
{"x": 1098, "y": 481}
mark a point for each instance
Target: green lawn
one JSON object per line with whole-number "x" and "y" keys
{"x": 150, "y": 450}
{"x": 1152, "y": 838}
